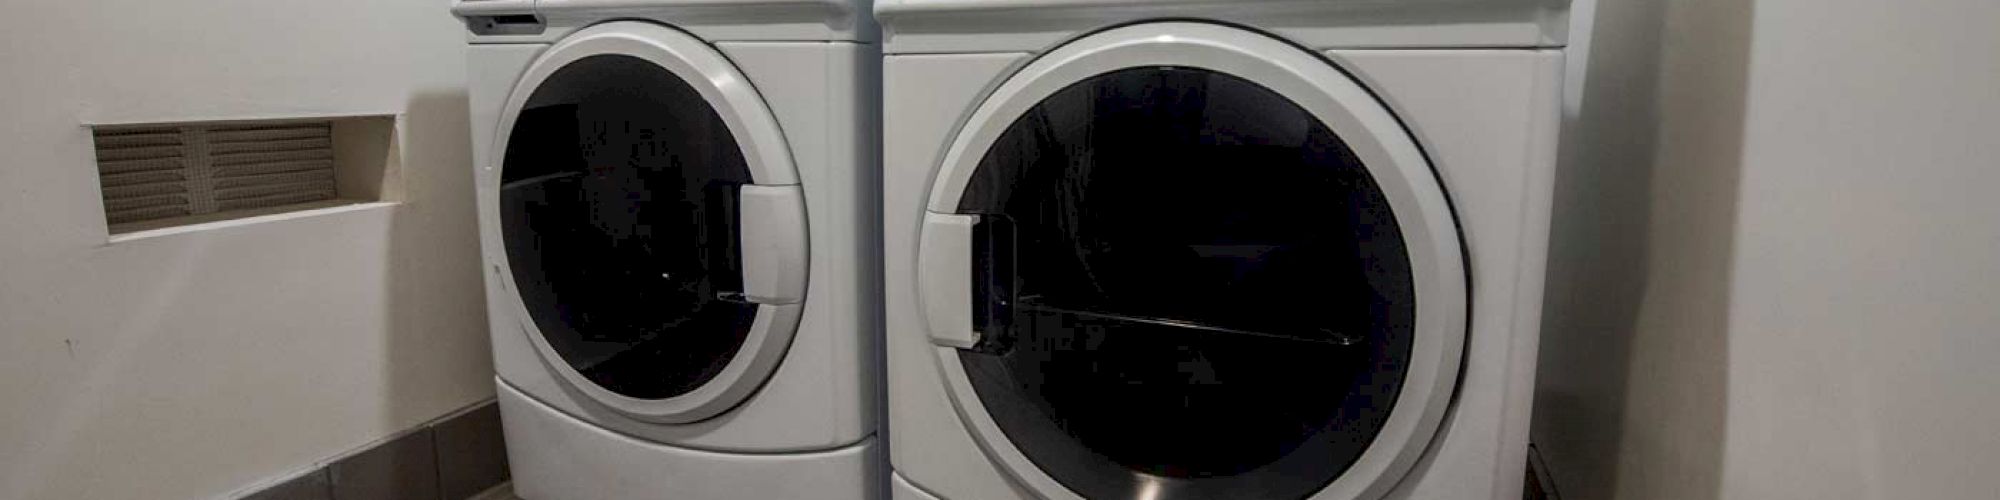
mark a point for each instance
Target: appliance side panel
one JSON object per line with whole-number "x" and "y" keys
{"x": 492, "y": 71}
{"x": 1485, "y": 118}
{"x": 824, "y": 375}
{"x": 927, "y": 98}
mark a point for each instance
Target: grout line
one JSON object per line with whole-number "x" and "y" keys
{"x": 461, "y": 411}
{"x": 437, "y": 459}
{"x": 1543, "y": 476}
{"x": 326, "y": 466}
{"x": 502, "y": 491}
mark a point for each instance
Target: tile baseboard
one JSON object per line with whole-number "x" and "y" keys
{"x": 505, "y": 491}
{"x": 459, "y": 456}
{"x": 1539, "y": 485}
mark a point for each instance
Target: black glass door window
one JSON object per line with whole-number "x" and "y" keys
{"x": 1187, "y": 287}
{"x": 618, "y": 204}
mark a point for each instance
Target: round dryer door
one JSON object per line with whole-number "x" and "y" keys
{"x": 652, "y": 222}
{"x": 1182, "y": 260}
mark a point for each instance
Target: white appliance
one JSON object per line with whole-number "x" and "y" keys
{"x": 677, "y": 204}
{"x": 1215, "y": 249}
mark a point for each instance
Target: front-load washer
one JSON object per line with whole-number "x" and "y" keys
{"x": 1215, "y": 249}
{"x": 677, "y": 203}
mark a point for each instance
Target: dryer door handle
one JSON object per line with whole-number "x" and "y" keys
{"x": 944, "y": 278}
{"x": 772, "y": 232}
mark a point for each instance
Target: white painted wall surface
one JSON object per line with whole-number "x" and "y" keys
{"x": 1778, "y": 254}
{"x": 194, "y": 365}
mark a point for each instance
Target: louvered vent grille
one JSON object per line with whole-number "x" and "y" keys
{"x": 159, "y": 172}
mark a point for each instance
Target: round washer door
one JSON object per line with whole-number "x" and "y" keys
{"x": 1182, "y": 260}
{"x": 653, "y": 224}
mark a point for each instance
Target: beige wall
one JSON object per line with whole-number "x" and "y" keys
{"x": 193, "y": 365}
{"x": 1777, "y": 254}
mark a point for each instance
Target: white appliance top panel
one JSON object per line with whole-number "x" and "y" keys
{"x": 944, "y": 26}
{"x": 542, "y": 21}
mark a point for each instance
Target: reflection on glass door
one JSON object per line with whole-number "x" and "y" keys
{"x": 1187, "y": 287}
{"x": 618, "y": 205}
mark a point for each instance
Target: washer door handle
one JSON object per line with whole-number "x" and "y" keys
{"x": 772, "y": 228}
{"x": 944, "y": 278}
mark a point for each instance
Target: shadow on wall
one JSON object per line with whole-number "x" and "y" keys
{"x": 438, "y": 178}
{"x": 434, "y": 228}
{"x": 1631, "y": 392}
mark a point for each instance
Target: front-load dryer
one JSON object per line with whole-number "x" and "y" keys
{"x": 676, "y": 203}
{"x": 1204, "y": 249}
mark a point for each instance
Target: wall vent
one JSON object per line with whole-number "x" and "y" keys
{"x": 159, "y": 175}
